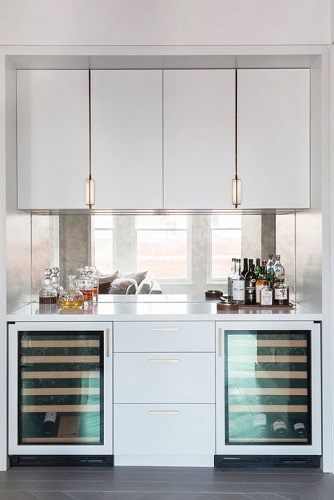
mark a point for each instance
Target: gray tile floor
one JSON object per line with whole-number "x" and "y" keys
{"x": 164, "y": 483}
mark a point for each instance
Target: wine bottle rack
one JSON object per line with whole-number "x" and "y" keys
{"x": 267, "y": 382}
{"x": 63, "y": 374}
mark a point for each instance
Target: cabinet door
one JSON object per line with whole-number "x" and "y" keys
{"x": 60, "y": 388}
{"x": 199, "y": 138}
{"x": 274, "y": 138}
{"x": 127, "y": 138}
{"x": 52, "y": 138}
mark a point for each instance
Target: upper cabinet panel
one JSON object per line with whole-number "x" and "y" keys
{"x": 52, "y": 138}
{"x": 274, "y": 138}
{"x": 199, "y": 138}
{"x": 127, "y": 138}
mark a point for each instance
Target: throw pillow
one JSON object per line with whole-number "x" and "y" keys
{"x": 105, "y": 282}
{"x": 122, "y": 286}
{"x": 139, "y": 276}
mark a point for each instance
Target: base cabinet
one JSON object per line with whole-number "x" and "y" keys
{"x": 164, "y": 396}
{"x": 60, "y": 389}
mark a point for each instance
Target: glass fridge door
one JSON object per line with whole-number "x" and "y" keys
{"x": 60, "y": 380}
{"x": 267, "y": 387}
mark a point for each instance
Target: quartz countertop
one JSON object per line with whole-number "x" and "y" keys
{"x": 162, "y": 307}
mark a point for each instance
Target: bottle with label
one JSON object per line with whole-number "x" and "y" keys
{"x": 281, "y": 292}
{"x": 300, "y": 430}
{"x": 238, "y": 286}
{"x": 49, "y": 424}
{"x": 270, "y": 273}
{"x": 278, "y": 269}
{"x": 230, "y": 279}
{"x": 245, "y": 268}
{"x": 257, "y": 268}
{"x": 261, "y": 282}
{"x": 266, "y": 296}
{"x": 48, "y": 294}
{"x": 260, "y": 425}
{"x": 280, "y": 429}
{"x": 250, "y": 294}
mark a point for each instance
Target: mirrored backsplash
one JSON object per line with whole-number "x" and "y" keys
{"x": 186, "y": 253}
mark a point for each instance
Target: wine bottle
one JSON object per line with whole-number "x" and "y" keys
{"x": 300, "y": 429}
{"x": 245, "y": 268}
{"x": 230, "y": 279}
{"x": 250, "y": 294}
{"x": 238, "y": 285}
{"x": 280, "y": 429}
{"x": 49, "y": 424}
{"x": 261, "y": 283}
{"x": 260, "y": 424}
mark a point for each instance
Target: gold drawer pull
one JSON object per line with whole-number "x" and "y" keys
{"x": 164, "y": 412}
{"x": 163, "y": 360}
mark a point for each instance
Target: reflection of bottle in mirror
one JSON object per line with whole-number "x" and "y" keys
{"x": 280, "y": 429}
{"x": 49, "y": 424}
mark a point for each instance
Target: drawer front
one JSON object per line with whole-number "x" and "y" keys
{"x": 164, "y": 429}
{"x": 187, "y": 336}
{"x": 164, "y": 378}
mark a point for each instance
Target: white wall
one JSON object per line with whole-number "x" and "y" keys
{"x": 165, "y": 22}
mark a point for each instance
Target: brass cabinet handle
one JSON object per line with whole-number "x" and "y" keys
{"x": 156, "y": 360}
{"x": 164, "y": 412}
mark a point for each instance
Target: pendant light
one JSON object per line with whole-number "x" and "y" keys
{"x": 236, "y": 183}
{"x": 90, "y": 183}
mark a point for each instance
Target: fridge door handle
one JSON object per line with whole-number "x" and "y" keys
{"x": 220, "y": 342}
{"x": 108, "y": 342}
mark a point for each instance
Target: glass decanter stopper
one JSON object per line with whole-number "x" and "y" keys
{"x": 71, "y": 297}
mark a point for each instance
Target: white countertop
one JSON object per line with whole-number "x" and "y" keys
{"x": 159, "y": 307}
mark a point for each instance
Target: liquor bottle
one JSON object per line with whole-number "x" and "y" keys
{"x": 266, "y": 296}
{"x": 280, "y": 429}
{"x": 230, "y": 279}
{"x": 261, "y": 282}
{"x": 278, "y": 269}
{"x": 48, "y": 294}
{"x": 49, "y": 424}
{"x": 245, "y": 268}
{"x": 270, "y": 273}
{"x": 238, "y": 285}
{"x": 250, "y": 294}
{"x": 257, "y": 267}
{"x": 280, "y": 292}
{"x": 55, "y": 280}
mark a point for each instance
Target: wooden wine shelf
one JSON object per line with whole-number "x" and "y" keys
{"x": 60, "y": 408}
{"x": 60, "y": 343}
{"x": 267, "y": 391}
{"x": 268, "y": 408}
{"x": 267, "y": 359}
{"x": 59, "y": 359}
{"x": 268, "y": 374}
{"x": 267, "y": 343}
{"x": 62, "y": 391}
{"x": 60, "y": 374}
{"x": 58, "y": 440}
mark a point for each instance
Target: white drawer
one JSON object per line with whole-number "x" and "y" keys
{"x": 164, "y": 378}
{"x": 164, "y": 430}
{"x": 187, "y": 336}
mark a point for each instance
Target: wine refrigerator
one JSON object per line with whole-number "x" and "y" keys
{"x": 268, "y": 409}
{"x": 60, "y": 393}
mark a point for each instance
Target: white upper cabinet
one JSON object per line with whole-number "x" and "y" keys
{"x": 126, "y": 138}
{"x": 274, "y": 138}
{"x": 199, "y": 138}
{"x": 52, "y": 138}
